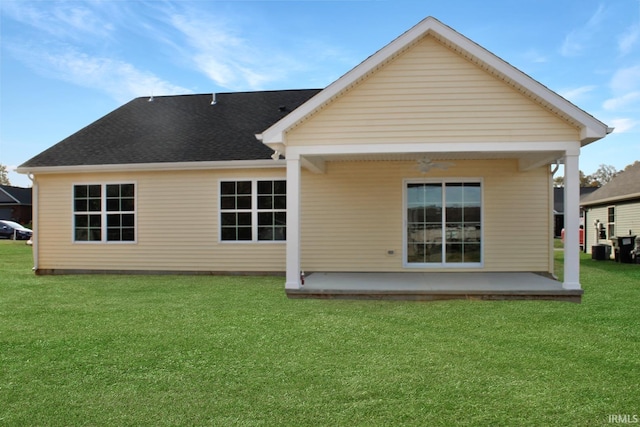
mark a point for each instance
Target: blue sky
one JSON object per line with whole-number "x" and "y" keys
{"x": 65, "y": 64}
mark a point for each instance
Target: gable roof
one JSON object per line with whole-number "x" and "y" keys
{"x": 624, "y": 186}
{"x": 184, "y": 128}
{"x": 10, "y": 195}
{"x": 591, "y": 129}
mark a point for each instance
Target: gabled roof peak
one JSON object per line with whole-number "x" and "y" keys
{"x": 591, "y": 129}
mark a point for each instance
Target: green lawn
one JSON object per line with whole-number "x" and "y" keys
{"x": 183, "y": 350}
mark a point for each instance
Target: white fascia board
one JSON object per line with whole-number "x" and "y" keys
{"x": 143, "y": 167}
{"x": 280, "y": 147}
{"x": 591, "y": 128}
{"x": 612, "y": 199}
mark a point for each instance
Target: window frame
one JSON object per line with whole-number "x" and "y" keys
{"x": 253, "y": 210}
{"x": 611, "y": 225}
{"x": 103, "y": 212}
{"x": 443, "y": 264}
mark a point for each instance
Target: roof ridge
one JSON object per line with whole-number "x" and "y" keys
{"x": 227, "y": 93}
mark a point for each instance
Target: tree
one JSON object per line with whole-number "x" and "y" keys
{"x": 604, "y": 174}
{"x": 4, "y": 178}
{"x": 585, "y": 181}
{"x": 558, "y": 181}
{"x": 631, "y": 165}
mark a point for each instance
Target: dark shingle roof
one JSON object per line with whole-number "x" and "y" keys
{"x": 10, "y": 195}
{"x": 558, "y": 197}
{"x": 621, "y": 187}
{"x": 184, "y": 128}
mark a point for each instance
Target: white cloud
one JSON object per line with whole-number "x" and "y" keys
{"x": 623, "y": 125}
{"x": 69, "y": 20}
{"x": 227, "y": 59}
{"x": 243, "y": 54}
{"x": 578, "y": 39}
{"x": 575, "y": 94}
{"x": 58, "y": 34}
{"x": 626, "y": 79}
{"x": 627, "y": 41}
{"x": 534, "y": 56}
{"x": 623, "y": 102}
{"x": 625, "y": 89}
{"x": 117, "y": 78}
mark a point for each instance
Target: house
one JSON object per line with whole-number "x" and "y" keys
{"x": 15, "y": 204}
{"x": 614, "y": 209}
{"x": 558, "y": 208}
{"x": 429, "y": 161}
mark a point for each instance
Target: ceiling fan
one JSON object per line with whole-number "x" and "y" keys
{"x": 426, "y": 164}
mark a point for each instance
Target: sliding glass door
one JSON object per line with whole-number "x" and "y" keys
{"x": 443, "y": 223}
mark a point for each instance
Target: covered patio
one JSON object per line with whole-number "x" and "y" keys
{"x": 434, "y": 286}
{"x": 375, "y": 163}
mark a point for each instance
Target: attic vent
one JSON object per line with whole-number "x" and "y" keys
{"x": 282, "y": 108}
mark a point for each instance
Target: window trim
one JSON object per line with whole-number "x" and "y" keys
{"x": 611, "y": 225}
{"x": 103, "y": 213}
{"x": 443, "y": 264}
{"x": 254, "y": 210}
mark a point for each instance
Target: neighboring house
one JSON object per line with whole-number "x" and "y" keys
{"x": 15, "y": 204}
{"x": 615, "y": 205}
{"x": 431, "y": 156}
{"x": 558, "y": 207}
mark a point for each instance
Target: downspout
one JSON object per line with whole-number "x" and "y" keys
{"x": 34, "y": 221}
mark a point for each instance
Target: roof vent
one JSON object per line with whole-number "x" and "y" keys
{"x": 213, "y": 99}
{"x": 282, "y": 108}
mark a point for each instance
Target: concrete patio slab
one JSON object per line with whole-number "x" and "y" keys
{"x": 434, "y": 286}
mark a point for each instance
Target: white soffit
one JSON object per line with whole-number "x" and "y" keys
{"x": 591, "y": 129}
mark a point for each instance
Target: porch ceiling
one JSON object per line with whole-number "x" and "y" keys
{"x": 526, "y": 160}
{"x": 436, "y": 156}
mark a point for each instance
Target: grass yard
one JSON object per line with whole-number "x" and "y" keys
{"x": 187, "y": 350}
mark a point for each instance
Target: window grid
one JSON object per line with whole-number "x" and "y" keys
{"x": 104, "y": 212}
{"x": 120, "y": 219}
{"x": 443, "y": 223}
{"x": 253, "y": 210}
{"x": 611, "y": 221}
{"x": 87, "y": 207}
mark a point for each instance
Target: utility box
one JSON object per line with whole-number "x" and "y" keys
{"x": 601, "y": 252}
{"x": 623, "y": 247}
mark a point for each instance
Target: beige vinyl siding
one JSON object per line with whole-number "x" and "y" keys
{"x": 352, "y": 216}
{"x": 177, "y": 226}
{"x": 430, "y": 94}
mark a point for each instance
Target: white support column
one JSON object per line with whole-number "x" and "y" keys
{"x": 293, "y": 222}
{"x": 571, "y": 221}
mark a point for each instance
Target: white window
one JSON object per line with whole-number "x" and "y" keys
{"x": 443, "y": 223}
{"x": 104, "y": 213}
{"x": 611, "y": 221}
{"x": 253, "y": 210}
